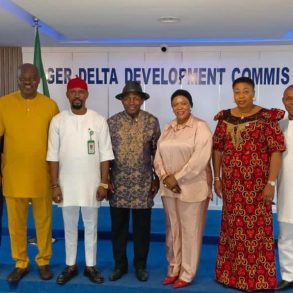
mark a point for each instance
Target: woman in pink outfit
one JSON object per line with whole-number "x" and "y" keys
{"x": 182, "y": 163}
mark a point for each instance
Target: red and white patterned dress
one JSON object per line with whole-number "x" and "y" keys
{"x": 246, "y": 252}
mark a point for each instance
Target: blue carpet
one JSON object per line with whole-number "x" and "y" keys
{"x": 204, "y": 281}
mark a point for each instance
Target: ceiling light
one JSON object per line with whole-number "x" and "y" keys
{"x": 168, "y": 19}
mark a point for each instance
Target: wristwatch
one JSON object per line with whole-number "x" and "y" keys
{"x": 272, "y": 183}
{"x": 104, "y": 185}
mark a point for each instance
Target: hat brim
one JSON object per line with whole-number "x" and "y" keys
{"x": 145, "y": 96}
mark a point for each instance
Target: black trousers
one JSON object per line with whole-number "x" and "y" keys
{"x": 141, "y": 223}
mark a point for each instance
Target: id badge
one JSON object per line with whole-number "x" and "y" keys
{"x": 91, "y": 143}
{"x": 91, "y": 147}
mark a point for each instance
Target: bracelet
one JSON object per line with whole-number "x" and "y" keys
{"x": 164, "y": 178}
{"x": 55, "y": 186}
{"x": 104, "y": 185}
{"x": 217, "y": 178}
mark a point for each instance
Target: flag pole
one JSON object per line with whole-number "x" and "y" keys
{"x": 38, "y": 58}
{"x": 36, "y": 24}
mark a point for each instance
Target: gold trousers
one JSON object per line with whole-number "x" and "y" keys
{"x": 17, "y": 209}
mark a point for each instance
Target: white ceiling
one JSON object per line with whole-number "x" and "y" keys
{"x": 135, "y": 22}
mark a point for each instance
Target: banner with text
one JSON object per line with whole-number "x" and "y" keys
{"x": 206, "y": 72}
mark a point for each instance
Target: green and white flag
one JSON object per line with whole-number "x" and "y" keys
{"x": 39, "y": 64}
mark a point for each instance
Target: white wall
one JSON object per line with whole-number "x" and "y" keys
{"x": 209, "y": 95}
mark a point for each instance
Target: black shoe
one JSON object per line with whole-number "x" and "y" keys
{"x": 142, "y": 275}
{"x": 94, "y": 275}
{"x": 283, "y": 285}
{"x": 45, "y": 272}
{"x": 117, "y": 274}
{"x": 69, "y": 273}
{"x": 16, "y": 275}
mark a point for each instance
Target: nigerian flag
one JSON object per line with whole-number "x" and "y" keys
{"x": 39, "y": 64}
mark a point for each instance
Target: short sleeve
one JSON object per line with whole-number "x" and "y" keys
{"x": 273, "y": 114}
{"x": 219, "y": 116}
{"x": 273, "y": 132}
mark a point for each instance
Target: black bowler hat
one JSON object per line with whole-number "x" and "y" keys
{"x": 132, "y": 87}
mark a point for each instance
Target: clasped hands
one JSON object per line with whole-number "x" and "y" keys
{"x": 171, "y": 183}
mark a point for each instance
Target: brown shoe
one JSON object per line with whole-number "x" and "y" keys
{"x": 16, "y": 275}
{"x": 94, "y": 275}
{"x": 45, "y": 272}
{"x": 69, "y": 273}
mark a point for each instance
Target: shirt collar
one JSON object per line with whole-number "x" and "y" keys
{"x": 129, "y": 118}
{"x": 174, "y": 124}
{"x": 73, "y": 114}
{"x": 24, "y": 99}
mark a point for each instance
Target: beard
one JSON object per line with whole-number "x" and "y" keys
{"x": 76, "y": 107}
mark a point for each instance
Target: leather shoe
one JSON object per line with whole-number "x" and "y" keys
{"x": 16, "y": 275}
{"x": 117, "y": 274}
{"x": 169, "y": 280}
{"x": 45, "y": 272}
{"x": 94, "y": 275}
{"x": 67, "y": 275}
{"x": 283, "y": 285}
{"x": 180, "y": 284}
{"x": 142, "y": 275}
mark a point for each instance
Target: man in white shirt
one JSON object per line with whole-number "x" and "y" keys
{"x": 79, "y": 151}
{"x": 285, "y": 197}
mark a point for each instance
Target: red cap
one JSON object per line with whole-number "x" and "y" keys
{"x": 77, "y": 83}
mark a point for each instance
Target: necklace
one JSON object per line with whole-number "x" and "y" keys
{"x": 180, "y": 126}
{"x": 245, "y": 113}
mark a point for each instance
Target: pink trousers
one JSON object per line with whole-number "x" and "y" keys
{"x": 185, "y": 223}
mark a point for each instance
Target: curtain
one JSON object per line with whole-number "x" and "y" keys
{"x": 10, "y": 60}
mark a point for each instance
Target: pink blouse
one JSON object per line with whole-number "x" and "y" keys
{"x": 186, "y": 153}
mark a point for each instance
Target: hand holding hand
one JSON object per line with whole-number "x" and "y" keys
{"x": 101, "y": 193}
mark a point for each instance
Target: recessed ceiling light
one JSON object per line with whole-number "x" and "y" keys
{"x": 168, "y": 19}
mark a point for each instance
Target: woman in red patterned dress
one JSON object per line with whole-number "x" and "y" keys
{"x": 248, "y": 143}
